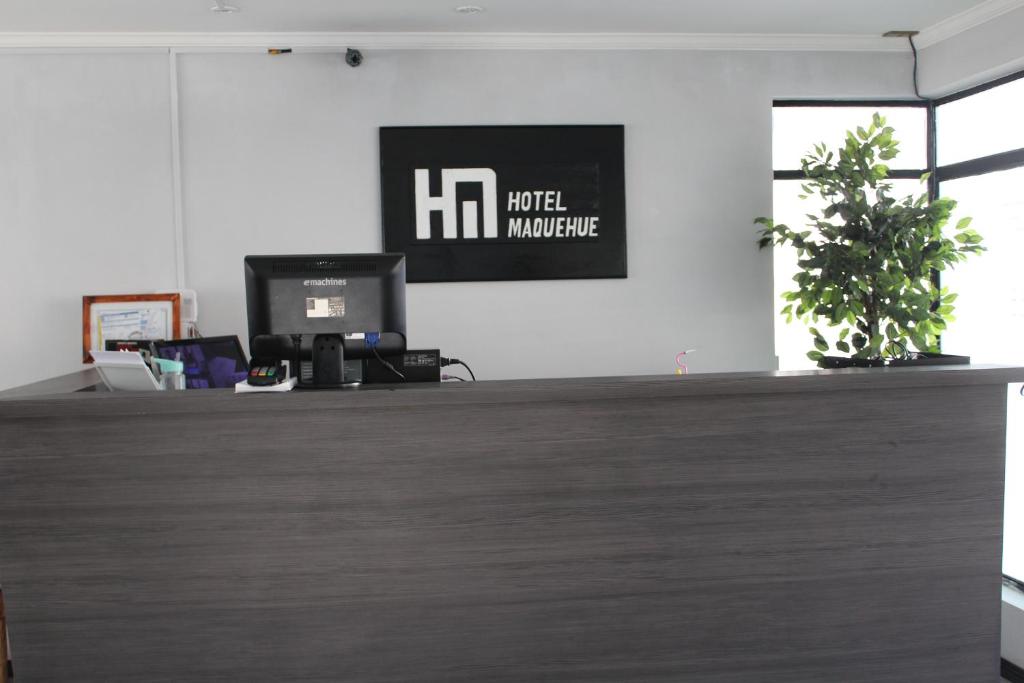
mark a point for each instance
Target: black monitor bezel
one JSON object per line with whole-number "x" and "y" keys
{"x": 268, "y": 342}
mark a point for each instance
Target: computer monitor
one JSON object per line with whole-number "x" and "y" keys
{"x": 319, "y": 310}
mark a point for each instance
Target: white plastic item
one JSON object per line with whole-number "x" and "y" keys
{"x": 174, "y": 381}
{"x": 124, "y": 371}
{"x": 244, "y": 387}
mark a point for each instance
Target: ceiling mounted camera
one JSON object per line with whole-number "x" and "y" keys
{"x": 353, "y": 57}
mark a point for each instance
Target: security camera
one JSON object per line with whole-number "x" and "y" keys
{"x": 353, "y": 57}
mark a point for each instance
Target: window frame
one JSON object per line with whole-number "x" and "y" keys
{"x": 895, "y": 174}
{"x": 1001, "y": 161}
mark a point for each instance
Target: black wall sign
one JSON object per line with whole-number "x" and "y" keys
{"x": 505, "y": 202}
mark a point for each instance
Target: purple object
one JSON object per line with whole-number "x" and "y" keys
{"x": 210, "y": 362}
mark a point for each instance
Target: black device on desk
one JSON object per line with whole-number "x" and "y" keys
{"x": 142, "y": 346}
{"x": 210, "y": 362}
{"x": 317, "y": 311}
{"x": 415, "y": 365}
{"x": 266, "y": 375}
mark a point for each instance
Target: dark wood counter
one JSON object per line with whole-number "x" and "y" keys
{"x": 823, "y": 526}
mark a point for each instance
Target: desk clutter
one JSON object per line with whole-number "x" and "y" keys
{"x": 314, "y": 322}
{"x": 137, "y": 317}
{"x": 154, "y": 365}
{"x": 220, "y": 363}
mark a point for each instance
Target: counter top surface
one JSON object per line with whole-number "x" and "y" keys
{"x": 515, "y": 391}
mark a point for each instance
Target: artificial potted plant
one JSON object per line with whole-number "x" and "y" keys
{"x": 868, "y": 263}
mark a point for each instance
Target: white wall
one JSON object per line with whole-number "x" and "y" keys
{"x": 981, "y": 54}
{"x": 85, "y": 202}
{"x": 279, "y": 154}
{"x": 291, "y": 147}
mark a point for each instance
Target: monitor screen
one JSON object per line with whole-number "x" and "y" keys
{"x": 296, "y": 302}
{"x": 210, "y": 362}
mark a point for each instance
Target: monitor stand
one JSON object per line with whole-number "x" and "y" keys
{"x": 328, "y": 362}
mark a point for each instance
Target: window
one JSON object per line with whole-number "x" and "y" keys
{"x": 981, "y": 124}
{"x": 990, "y": 308}
{"x": 980, "y": 149}
{"x": 796, "y": 127}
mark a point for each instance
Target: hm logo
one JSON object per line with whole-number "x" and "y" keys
{"x": 447, "y": 205}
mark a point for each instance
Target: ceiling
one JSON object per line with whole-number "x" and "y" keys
{"x": 840, "y": 17}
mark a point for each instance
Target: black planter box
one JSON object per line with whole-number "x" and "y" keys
{"x": 920, "y": 358}
{"x": 925, "y": 358}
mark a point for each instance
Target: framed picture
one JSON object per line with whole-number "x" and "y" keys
{"x": 505, "y": 202}
{"x": 128, "y": 316}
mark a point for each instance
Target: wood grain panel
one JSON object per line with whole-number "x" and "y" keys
{"x": 594, "y": 530}
{"x": 4, "y": 659}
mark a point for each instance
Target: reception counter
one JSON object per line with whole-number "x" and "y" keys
{"x": 790, "y": 527}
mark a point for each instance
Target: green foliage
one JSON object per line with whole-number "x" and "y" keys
{"x": 866, "y": 263}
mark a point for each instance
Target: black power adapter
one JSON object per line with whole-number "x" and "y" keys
{"x": 418, "y": 365}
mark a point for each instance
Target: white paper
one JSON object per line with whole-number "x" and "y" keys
{"x": 132, "y": 323}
